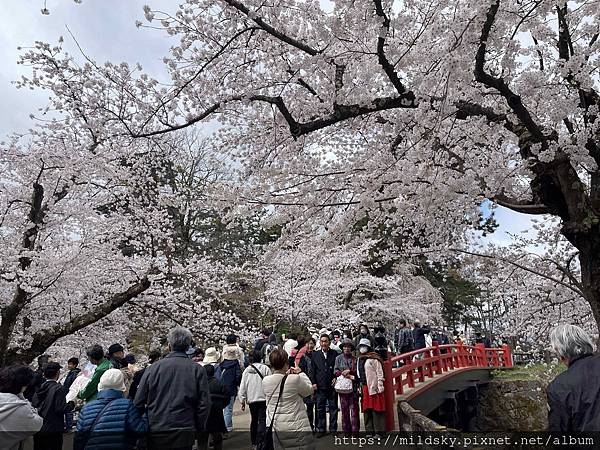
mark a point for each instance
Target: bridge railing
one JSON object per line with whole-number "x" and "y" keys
{"x": 421, "y": 365}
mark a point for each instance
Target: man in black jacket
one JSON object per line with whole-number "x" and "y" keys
{"x": 174, "y": 391}
{"x": 574, "y": 395}
{"x": 323, "y": 379}
{"x": 50, "y": 401}
{"x": 419, "y": 333}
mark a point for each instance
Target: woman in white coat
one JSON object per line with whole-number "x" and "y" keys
{"x": 291, "y": 429}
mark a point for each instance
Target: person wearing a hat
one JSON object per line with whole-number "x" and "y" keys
{"x": 116, "y": 356}
{"x": 211, "y": 356}
{"x": 111, "y": 421}
{"x": 230, "y": 374}
{"x": 370, "y": 375}
{"x": 345, "y": 367}
{"x": 50, "y": 401}
{"x": 95, "y": 354}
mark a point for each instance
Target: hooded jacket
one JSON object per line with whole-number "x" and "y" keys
{"x": 18, "y": 420}
{"x": 251, "y": 388}
{"x": 230, "y": 374}
{"x": 51, "y": 403}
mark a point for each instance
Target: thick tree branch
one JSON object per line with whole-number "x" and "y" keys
{"x": 525, "y": 207}
{"x": 388, "y": 67}
{"x": 297, "y": 129}
{"x": 45, "y": 338}
{"x": 513, "y": 100}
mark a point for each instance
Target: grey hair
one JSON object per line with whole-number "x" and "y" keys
{"x": 570, "y": 341}
{"x": 179, "y": 339}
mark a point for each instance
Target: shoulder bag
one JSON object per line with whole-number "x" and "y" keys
{"x": 267, "y": 443}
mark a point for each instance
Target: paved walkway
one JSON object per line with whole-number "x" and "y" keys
{"x": 240, "y": 439}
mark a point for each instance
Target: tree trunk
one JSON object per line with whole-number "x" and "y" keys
{"x": 589, "y": 259}
{"x": 43, "y": 339}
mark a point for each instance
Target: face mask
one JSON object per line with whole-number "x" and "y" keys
{"x": 363, "y": 349}
{"x": 363, "y": 332}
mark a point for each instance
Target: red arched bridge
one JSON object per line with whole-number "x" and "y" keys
{"x": 425, "y": 377}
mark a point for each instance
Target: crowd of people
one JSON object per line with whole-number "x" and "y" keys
{"x": 184, "y": 398}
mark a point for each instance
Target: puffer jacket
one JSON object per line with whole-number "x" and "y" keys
{"x": 18, "y": 421}
{"x": 117, "y": 429}
{"x": 291, "y": 429}
{"x": 251, "y": 389}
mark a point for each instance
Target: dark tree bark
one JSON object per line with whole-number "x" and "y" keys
{"x": 11, "y": 312}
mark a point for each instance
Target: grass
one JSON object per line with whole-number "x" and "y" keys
{"x": 531, "y": 372}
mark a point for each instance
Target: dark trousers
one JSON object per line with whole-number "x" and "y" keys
{"x": 374, "y": 422}
{"x": 258, "y": 420}
{"x": 310, "y": 410}
{"x": 48, "y": 441}
{"x": 327, "y": 398}
{"x": 217, "y": 441}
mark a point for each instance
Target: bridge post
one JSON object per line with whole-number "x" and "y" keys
{"x": 461, "y": 356}
{"x": 508, "y": 362}
{"x": 436, "y": 358}
{"x": 390, "y": 395}
{"x": 481, "y": 355}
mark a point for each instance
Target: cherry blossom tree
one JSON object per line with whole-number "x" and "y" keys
{"x": 410, "y": 113}
{"x": 316, "y": 282}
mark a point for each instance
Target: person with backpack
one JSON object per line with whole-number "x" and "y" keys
{"x": 252, "y": 393}
{"x": 230, "y": 374}
{"x": 232, "y": 346}
{"x": 215, "y": 424}
{"x": 285, "y": 390}
{"x": 111, "y": 421}
{"x": 50, "y": 401}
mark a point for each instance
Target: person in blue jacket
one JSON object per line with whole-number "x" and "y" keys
{"x": 110, "y": 422}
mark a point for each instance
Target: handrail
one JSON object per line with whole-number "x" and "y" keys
{"x": 426, "y": 363}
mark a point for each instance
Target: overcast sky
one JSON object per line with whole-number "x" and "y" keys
{"x": 106, "y": 30}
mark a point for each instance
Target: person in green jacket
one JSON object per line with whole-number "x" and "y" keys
{"x": 95, "y": 354}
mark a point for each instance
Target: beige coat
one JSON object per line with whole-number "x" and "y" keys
{"x": 374, "y": 374}
{"x": 291, "y": 429}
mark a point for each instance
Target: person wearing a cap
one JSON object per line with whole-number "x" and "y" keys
{"x": 110, "y": 421}
{"x": 50, "y": 401}
{"x": 116, "y": 356}
{"x": 345, "y": 366}
{"x": 370, "y": 374}
{"x": 95, "y": 354}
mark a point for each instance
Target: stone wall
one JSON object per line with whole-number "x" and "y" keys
{"x": 411, "y": 419}
{"x": 512, "y": 405}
